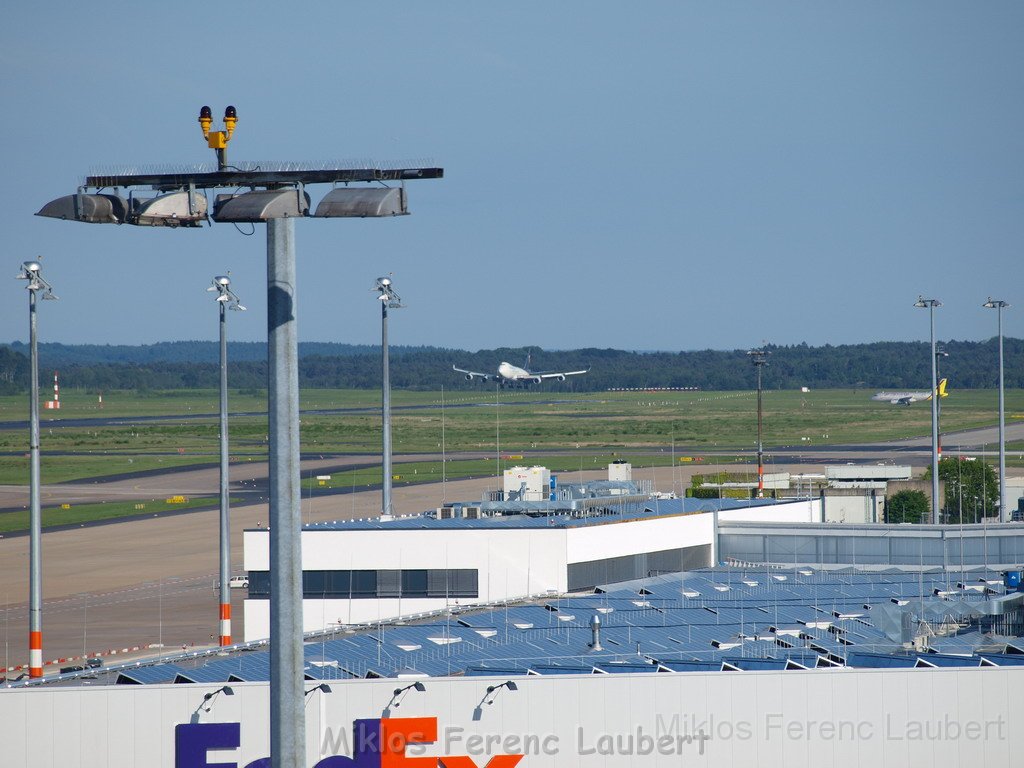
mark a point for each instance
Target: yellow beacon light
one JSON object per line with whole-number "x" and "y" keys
{"x": 205, "y": 121}
{"x": 218, "y": 140}
{"x": 230, "y": 118}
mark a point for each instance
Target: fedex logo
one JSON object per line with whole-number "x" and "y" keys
{"x": 376, "y": 743}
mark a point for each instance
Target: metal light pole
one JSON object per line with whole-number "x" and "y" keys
{"x": 388, "y": 300}
{"x": 226, "y": 299}
{"x": 759, "y": 358}
{"x": 940, "y": 352}
{"x": 30, "y": 272}
{"x": 999, "y": 306}
{"x": 276, "y": 197}
{"x": 931, "y": 304}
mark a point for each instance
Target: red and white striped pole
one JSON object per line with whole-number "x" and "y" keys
{"x": 225, "y": 624}
{"x": 55, "y": 403}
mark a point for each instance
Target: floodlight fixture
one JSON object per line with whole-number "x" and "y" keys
{"x": 88, "y": 208}
{"x": 388, "y": 293}
{"x": 182, "y": 208}
{"x": 222, "y": 284}
{"x": 30, "y": 271}
{"x": 324, "y": 687}
{"x": 999, "y": 305}
{"x": 262, "y": 205}
{"x": 207, "y": 703}
{"x": 930, "y": 305}
{"x": 492, "y": 690}
{"x": 363, "y": 202}
{"x": 491, "y": 694}
{"x": 398, "y": 695}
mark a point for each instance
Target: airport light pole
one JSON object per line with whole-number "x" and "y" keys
{"x": 276, "y": 197}
{"x": 940, "y": 352}
{"x": 931, "y": 304}
{"x": 388, "y": 300}
{"x": 999, "y": 306}
{"x": 226, "y": 299}
{"x": 759, "y": 358}
{"x": 30, "y": 271}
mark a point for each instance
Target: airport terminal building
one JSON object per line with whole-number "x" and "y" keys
{"x": 605, "y": 627}
{"x": 366, "y": 571}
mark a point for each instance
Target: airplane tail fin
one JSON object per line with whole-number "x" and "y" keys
{"x": 942, "y": 389}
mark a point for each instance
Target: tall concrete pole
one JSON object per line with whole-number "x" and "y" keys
{"x": 35, "y": 599}
{"x": 225, "y": 523}
{"x": 287, "y": 718}
{"x": 385, "y": 505}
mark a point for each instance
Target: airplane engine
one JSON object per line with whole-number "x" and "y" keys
{"x": 561, "y": 378}
{"x": 469, "y": 377}
{"x": 537, "y": 380}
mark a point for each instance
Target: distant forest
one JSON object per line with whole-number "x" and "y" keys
{"x": 193, "y": 364}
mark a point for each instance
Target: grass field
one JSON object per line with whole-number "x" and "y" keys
{"x": 523, "y": 421}
{"x": 78, "y": 514}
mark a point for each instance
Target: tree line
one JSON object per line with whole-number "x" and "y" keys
{"x": 193, "y": 364}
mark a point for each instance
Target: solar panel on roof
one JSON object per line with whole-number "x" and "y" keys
{"x": 158, "y": 673}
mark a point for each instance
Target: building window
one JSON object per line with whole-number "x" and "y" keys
{"x": 342, "y": 585}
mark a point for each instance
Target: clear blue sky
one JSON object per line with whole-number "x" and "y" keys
{"x": 660, "y": 175}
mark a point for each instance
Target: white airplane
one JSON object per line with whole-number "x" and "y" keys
{"x": 509, "y": 375}
{"x": 906, "y": 398}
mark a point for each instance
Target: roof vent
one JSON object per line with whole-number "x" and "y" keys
{"x": 595, "y": 629}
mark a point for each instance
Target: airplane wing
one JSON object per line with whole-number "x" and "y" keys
{"x": 560, "y": 375}
{"x": 470, "y": 375}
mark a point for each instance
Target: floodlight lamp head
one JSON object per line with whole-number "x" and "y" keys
{"x": 995, "y": 304}
{"x": 30, "y": 271}
{"x": 384, "y": 281}
{"x": 222, "y": 280}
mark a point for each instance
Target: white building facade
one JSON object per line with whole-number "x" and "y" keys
{"x": 372, "y": 571}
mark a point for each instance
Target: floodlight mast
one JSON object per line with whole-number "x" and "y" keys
{"x": 276, "y": 198}
{"x": 759, "y": 358}
{"x": 940, "y": 352}
{"x": 999, "y": 306}
{"x": 389, "y": 299}
{"x": 931, "y": 304}
{"x": 30, "y": 271}
{"x": 226, "y": 299}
